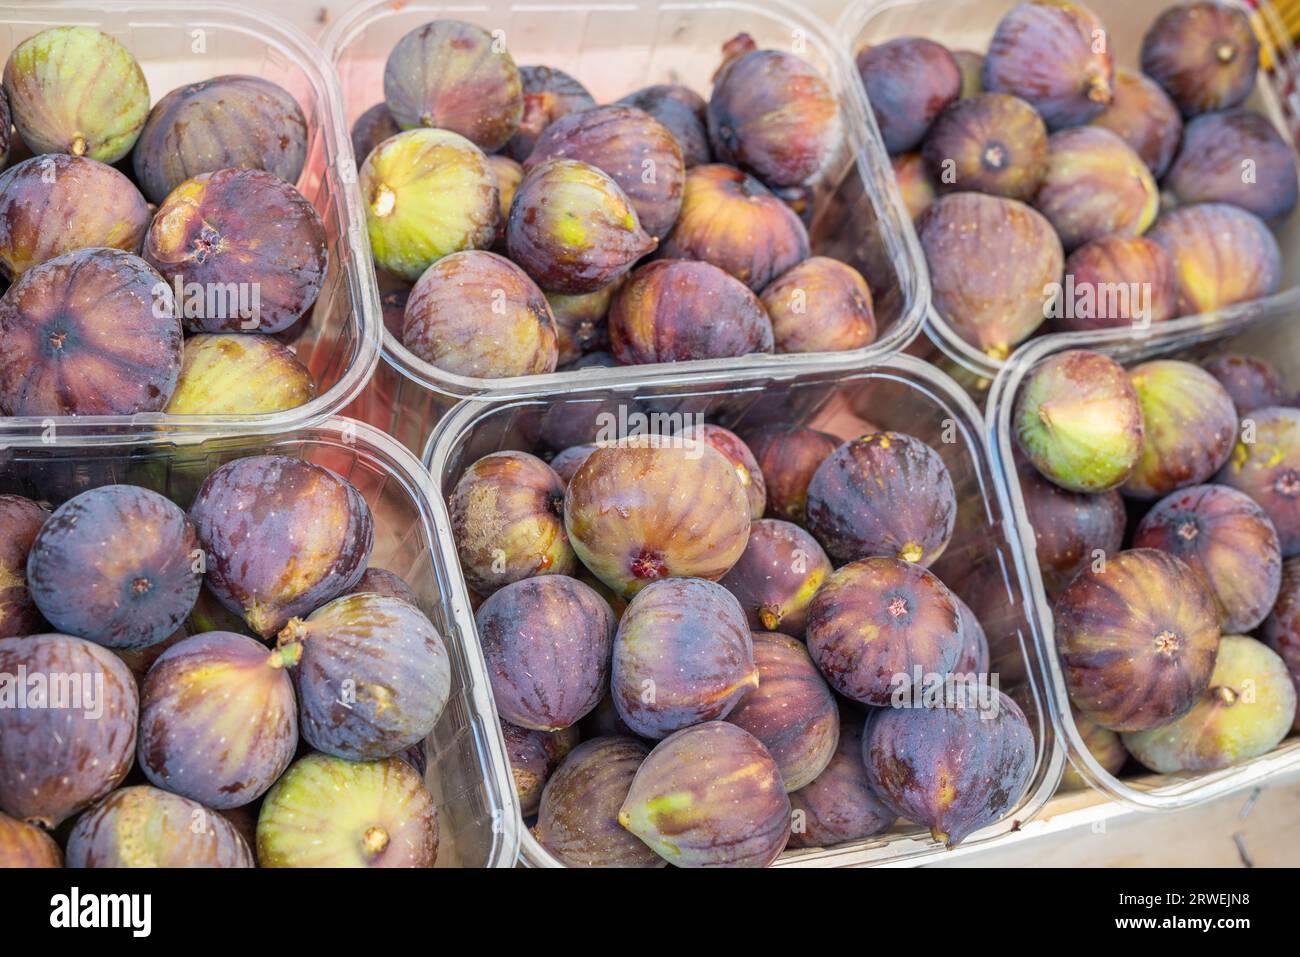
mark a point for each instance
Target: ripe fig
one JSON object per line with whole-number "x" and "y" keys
{"x": 991, "y": 143}
{"x": 581, "y": 322}
{"x": 1137, "y": 637}
{"x": 1218, "y": 147}
{"x": 971, "y": 65}
{"x": 1103, "y": 744}
{"x": 1117, "y": 281}
{"x": 1143, "y": 116}
{"x": 67, "y": 726}
{"x": 683, "y": 111}
{"x": 327, "y": 812}
{"x": 533, "y": 756}
{"x": 567, "y": 462}
{"x": 1251, "y": 382}
{"x": 239, "y": 375}
{"x": 1190, "y": 424}
{"x": 371, "y": 128}
{"x": 1070, "y": 528}
{"x": 1050, "y": 55}
{"x": 733, "y": 221}
{"x": 820, "y": 305}
{"x": 76, "y": 90}
{"x": 20, "y": 522}
{"x": 282, "y": 537}
{"x": 222, "y": 123}
{"x": 142, "y": 826}
{"x": 839, "y": 807}
{"x": 549, "y": 94}
{"x": 909, "y": 81}
{"x": 882, "y": 494}
{"x": 91, "y": 332}
{"x": 917, "y": 188}
{"x": 1268, "y": 470}
{"x": 1204, "y": 54}
{"x": 776, "y": 578}
{"x": 380, "y": 581}
{"x": 454, "y": 76}
{"x": 25, "y": 845}
{"x": 709, "y": 796}
{"x": 1281, "y": 630}
{"x": 1223, "y": 254}
{"x": 789, "y": 456}
{"x": 735, "y": 451}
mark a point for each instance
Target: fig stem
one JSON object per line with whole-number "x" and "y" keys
{"x": 385, "y": 201}
{"x": 911, "y": 552}
{"x": 1225, "y": 695}
{"x": 288, "y": 644}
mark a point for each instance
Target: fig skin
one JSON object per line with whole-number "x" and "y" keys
{"x": 647, "y": 509}
{"x": 991, "y": 143}
{"x": 709, "y": 796}
{"x": 1281, "y": 629}
{"x": 371, "y": 128}
{"x": 42, "y": 214}
{"x": 974, "y": 657}
{"x": 884, "y": 493}
{"x": 21, "y": 520}
{"x": 1225, "y": 536}
{"x": 54, "y": 761}
{"x": 1101, "y": 267}
{"x": 1205, "y": 56}
{"x": 428, "y": 193}
{"x": 820, "y": 305}
{"x": 990, "y": 261}
{"x": 915, "y": 184}
{"x": 1103, "y": 744}
{"x": 506, "y": 518}
{"x": 676, "y": 310}
{"x": 581, "y": 322}
{"x": 1070, "y": 528}
{"x": 380, "y": 581}
{"x": 534, "y": 756}
{"x": 953, "y": 770}
{"x": 567, "y": 462}
{"x": 789, "y": 456}
{"x": 24, "y": 845}
{"x": 782, "y": 568}
{"x": 573, "y": 229}
{"x": 117, "y": 565}
{"x": 549, "y": 94}
{"x": 735, "y": 451}
{"x": 911, "y": 616}
{"x": 547, "y": 642}
{"x": 683, "y": 111}
{"x": 239, "y": 374}
{"x": 218, "y": 720}
{"x": 1251, "y": 382}
{"x": 6, "y": 128}
{"x": 1078, "y": 419}
{"x": 774, "y": 114}
{"x": 143, "y": 826}
{"x": 682, "y": 655}
{"x": 1209, "y": 165}
{"x": 1268, "y": 470}
{"x": 225, "y": 122}
{"x": 1137, "y": 639}
{"x": 909, "y": 81}
{"x": 91, "y": 332}
{"x": 792, "y": 711}
{"x": 625, "y": 143}
{"x": 578, "y": 818}
{"x": 733, "y": 221}
{"x": 838, "y": 806}
{"x": 1247, "y": 710}
{"x": 282, "y": 537}
{"x": 327, "y": 812}
{"x": 450, "y": 75}
{"x": 1190, "y": 427}
{"x": 1143, "y": 116}
{"x": 1048, "y": 55}
{"x": 76, "y": 90}
{"x": 1223, "y": 255}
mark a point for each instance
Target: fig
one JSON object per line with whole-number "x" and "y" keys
{"x": 1225, "y": 536}
{"x": 221, "y": 123}
{"x": 118, "y": 565}
{"x": 327, "y": 812}
{"x": 76, "y": 90}
{"x": 1203, "y": 54}
{"x": 567, "y": 462}
{"x": 774, "y": 114}
{"x": 549, "y": 94}
{"x": 1078, "y": 418}
{"x": 235, "y": 374}
{"x": 581, "y": 322}
{"x": 1267, "y": 468}
{"x": 573, "y": 229}
{"x": 380, "y": 581}
{"x": 792, "y": 711}
{"x": 733, "y": 221}
{"x": 25, "y": 845}
{"x": 683, "y": 111}
{"x": 1117, "y": 281}
{"x": 1057, "y": 57}
{"x": 1190, "y": 427}
{"x": 735, "y": 451}
{"x": 7, "y": 136}
{"x": 428, "y": 193}
{"x": 782, "y": 568}
{"x": 282, "y": 537}
{"x": 508, "y": 523}
{"x": 971, "y": 65}
{"x": 643, "y": 510}
{"x": 733, "y": 49}
{"x": 1223, "y": 255}
{"x": 638, "y": 152}
{"x": 142, "y": 659}
{"x": 371, "y": 128}
{"x": 20, "y": 522}
{"x": 393, "y": 303}
{"x": 1071, "y": 529}
{"x": 1103, "y": 744}
{"x": 142, "y": 826}
{"x": 909, "y": 81}
{"x": 1247, "y": 710}
{"x": 547, "y": 643}
{"x": 953, "y": 770}
{"x": 789, "y": 456}
{"x": 1251, "y": 382}
{"x": 1143, "y": 116}
{"x": 533, "y": 756}
{"x": 454, "y": 76}
{"x": 820, "y": 305}
{"x": 990, "y": 261}
{"x": 91, "y": 332}
{"x": 915, "y": 185}
{"x": 1220, "y": 150}
{"x": 247, "y": 234}
{"x": 373, "y": 676}
{"x": 675, "y": 310}
{"x": 990, "y": 143}
{"x": 974, "y": 656}
{"x": 838, "y": 806}
{"x": 884, "y": 493}
{"x": 709, "y": 796}
{"x": 1281, "y": 629}
{"x": 68, "y": 712}
{"x": 578, "y": 818}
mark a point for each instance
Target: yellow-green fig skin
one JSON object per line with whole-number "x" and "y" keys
{"x": 1103, "y": 744}
{"x": 239, "y": 374}
{"x": 143, "y": 826}
{"x": 1247, "y": 711}
{"x": 1224, "y": 255}
{"x": 26, "y": 845}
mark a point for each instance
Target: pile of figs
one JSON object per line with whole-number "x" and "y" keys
{"x": 156, "y": 258}
{"x": 229, "y": 686}
{"x": 1053, "y": 190}
{"x": 521, "y": 227}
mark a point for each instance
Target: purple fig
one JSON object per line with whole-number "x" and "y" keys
{"x": 1204, "y": 54}
{"x": 371, "y": 128}
{"x": 909, "y": 81}
{"x": 1267, "y": 468}
{"x": 1218, "y": 151}
{"x": 733, "y": 448}
{"x": 1251, "y": 382}
{"x": 20, "y": 521}
{"x": 789, "y": 457}
{"x": 145, "y": 827}
{"x": 1117, "y": 281}
{"x": 776, "y": 578}
{"x": 1071, "y": 529}
{"x": 991, "y": 143}
{"x": 549, "y": 94}
{"x": 839, "y": 807}
{"x": 683, "y": 111}
{"x": 1281, "y": 629}
{"x": 1223, "y": 254}
{"x": 533, "y": 756}
{"x": 820, "y": 305}
{"x": 567, "y": 462}
{"x": 974, "y": 656}
{"x": 581, "y": 322}
{"x": 1143, "y": 116}
{"x": 380, "y": 581}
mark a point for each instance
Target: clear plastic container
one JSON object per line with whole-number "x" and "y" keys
{"x": 982, "y": 564}
{"x": 615, "y": 49}
{"x": 468, "y": 772}
{"x": 177, "y": 44}
{"x": 969, "y": 25}
{"x": 1275, "y": 338}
